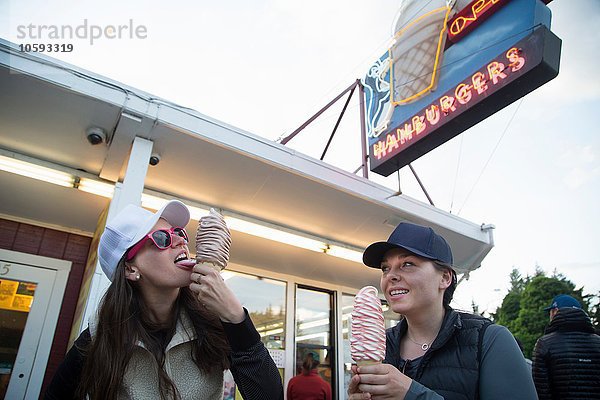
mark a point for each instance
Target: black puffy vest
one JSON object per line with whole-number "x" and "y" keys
{"x": 451, "y": 365}
{"x": 566, "y": 360}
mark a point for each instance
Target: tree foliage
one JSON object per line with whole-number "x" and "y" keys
{"x": 595, "y": 311}
{"x": 522, "y": 309}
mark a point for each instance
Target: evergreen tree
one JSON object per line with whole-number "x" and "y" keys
{"x": 511, "y": 304}
{"x": 516, "y": 281}
{"x": 522, "y": 310}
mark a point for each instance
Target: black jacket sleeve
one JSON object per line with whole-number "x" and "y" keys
{"x": 252, "y": 367}
{"x": 64, "y": 383}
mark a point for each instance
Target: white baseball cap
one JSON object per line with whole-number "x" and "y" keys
{"x": 130, "y": 226}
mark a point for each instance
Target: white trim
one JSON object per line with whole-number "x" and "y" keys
{"x": 339, "y": 345}
{"x": 62, "y": 268}
{"x": 290, "y": 333}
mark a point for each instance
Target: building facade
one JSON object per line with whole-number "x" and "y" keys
{"x": 75, "y": 149}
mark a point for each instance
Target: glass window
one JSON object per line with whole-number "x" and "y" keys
{"x": 16, "y": 298}
{"x": 265, "y": 301}
{"x": 314, "y": 322}
{"x": 390, "y": 317}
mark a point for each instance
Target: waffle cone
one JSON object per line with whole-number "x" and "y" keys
{"x": 214, "y": 266}
{"x": 363, "y": 363}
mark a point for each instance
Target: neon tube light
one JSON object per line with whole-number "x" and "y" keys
{"x": 472, "y": 16}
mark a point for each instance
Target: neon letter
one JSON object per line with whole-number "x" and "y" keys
{"x": 495, "y": 69}
{"x": 479, "y": 82}
{"x": 447, "y": 104}
{"x": 516, "y": 61}
{"x": 418, "y": 122}
{"x": 391, "y": 142}
{"x": 406, "y": 134}
{"x": 432, "y": 114}
{"x": 379, "y": 149}
{"x": 463, "y": 93}
{"x": 460, "y": 23}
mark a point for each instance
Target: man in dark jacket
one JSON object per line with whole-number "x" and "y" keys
{"x": 566, "y": 360}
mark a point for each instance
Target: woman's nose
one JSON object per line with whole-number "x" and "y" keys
{"x": 176, "y": 240}
{"x": 394, "y": 274}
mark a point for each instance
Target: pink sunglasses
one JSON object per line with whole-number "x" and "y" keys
{"x": 162, "y": 238}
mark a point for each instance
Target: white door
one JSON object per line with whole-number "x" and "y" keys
{"x": 31, "y": 291}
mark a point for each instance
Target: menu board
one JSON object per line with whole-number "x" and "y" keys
{"x": 16, "y": 295}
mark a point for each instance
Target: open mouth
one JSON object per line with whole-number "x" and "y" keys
{"x": 183, "y": 260}
{"x": 398, "y": 292}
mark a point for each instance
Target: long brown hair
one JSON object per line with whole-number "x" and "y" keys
{"x": 122, "y": 321}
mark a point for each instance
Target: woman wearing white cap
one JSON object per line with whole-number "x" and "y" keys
{"x": 153, "y": 338}
{"x": 435, "y": 352}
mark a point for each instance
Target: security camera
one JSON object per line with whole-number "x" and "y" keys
{"x": 154, "y": 159}
{"x": 96, "y": 136}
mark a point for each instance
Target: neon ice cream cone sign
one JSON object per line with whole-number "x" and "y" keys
{"x": 417, "y": 50}
{"x": 438, "y": 73}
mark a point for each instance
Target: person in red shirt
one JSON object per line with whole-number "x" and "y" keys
{"x": 309, "y": 385}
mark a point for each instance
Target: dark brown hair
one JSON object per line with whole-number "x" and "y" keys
{"x": 449, "y": 292}
{"x": 309, "y": 364}
{"x": 122, "y": 321}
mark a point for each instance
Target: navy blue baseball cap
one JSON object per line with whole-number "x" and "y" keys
{"x": 419, "y": 240}
{"x": 563, "y": 301}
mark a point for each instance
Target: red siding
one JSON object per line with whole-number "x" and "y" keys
{"x": 47, "y": 242}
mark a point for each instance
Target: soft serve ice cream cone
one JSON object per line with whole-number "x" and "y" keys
{"x": 367, "y": 343}
{"x": 213, "y": 241}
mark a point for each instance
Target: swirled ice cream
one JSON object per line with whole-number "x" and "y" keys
{"x": 213, "y": 241}
{"x": 367, "y": 342}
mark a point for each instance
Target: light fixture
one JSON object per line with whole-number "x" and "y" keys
{"x": 197, "y": 212}
{"x": 96, "y": 187}
{"x": 153, "y": 202}
{"x": 343, "y": 252}
{"x": 156, "y": 203}
{"x": 272, "y": 332}
{"x": 313, "y": 324}
{"x": 277, "y": 235}
{"x": 30, "y": 170}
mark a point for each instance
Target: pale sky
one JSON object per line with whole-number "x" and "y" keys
{"x": 267, "y": 65}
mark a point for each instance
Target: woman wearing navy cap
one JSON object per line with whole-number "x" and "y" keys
{"x": 435, "y": 352}
{"x": 156, "y": 335}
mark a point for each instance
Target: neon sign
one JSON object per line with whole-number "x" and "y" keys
{"x": 479, "y": 84}
{"x": 521, "y": 68}
{"x": 428, "y": 79}
{"x": 471, "y": 16}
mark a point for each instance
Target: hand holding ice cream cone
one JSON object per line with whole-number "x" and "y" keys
{"x": 213, "y": 241}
